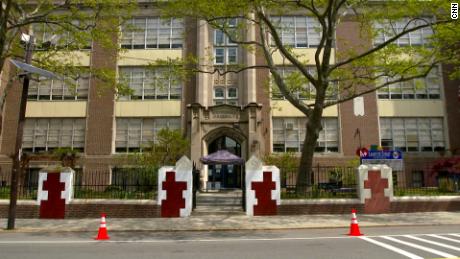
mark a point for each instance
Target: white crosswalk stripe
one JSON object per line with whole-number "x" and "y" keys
{"x": 440, "y": 242}
{"x": 434, "y": 243}
{"x": 444, "y": 238}
{"x": 392, "y": 248}
{"x": 430, "y": 250}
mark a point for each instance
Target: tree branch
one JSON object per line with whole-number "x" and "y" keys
{"x": 381, "y": 46}
{"x": 283, "y": 49}
{"x": 278, "y": 79}
{"x": 373, "y": 89}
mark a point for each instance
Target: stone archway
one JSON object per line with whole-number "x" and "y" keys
{"x": 210, "y": 145}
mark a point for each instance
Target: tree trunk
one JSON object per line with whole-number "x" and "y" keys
{"x": 304, "y": 174}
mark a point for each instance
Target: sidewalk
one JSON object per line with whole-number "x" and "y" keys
{"x": 208, "y": 223}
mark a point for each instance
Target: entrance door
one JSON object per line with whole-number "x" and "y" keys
{"x": 225, "y": 176}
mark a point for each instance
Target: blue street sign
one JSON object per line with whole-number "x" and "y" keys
{"x": 383, "y": 154}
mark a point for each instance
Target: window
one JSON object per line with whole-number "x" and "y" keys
{"x": 225, "y": 89}
{"x": 412, "y": 134}
{"x": 420, "y": 88}
{"x": 65, "y": 89}
{"x": 300, "y": 86}
{"x": 298, "y": 31}
{"x": 225, "y": 55}
{"x": 152, "y": 33}
{"x": 132, "y": 134}
{"x": 69, "y": 37}
{"x": 228, "y": 96}
{"x": 48, "y": 134}
{"x": 386, "y": 29}
{"x": 289, "y": 134}
{"x": 147, "y": 83}
{"x": 225, "y": 51}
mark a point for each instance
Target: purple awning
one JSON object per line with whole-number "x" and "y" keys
{"x": 222, "y": 157}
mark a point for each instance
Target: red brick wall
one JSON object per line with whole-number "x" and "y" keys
{"x": 10, "y": 113}
{"x": 350, "y": 38}
{"x": 153, "y": 211}
{"x": 90, "y": 211}
{"x": 22, "y": 211}
{"x": 303, "y": 209}
{"x": 423, "y": 206}
{"x": 452, "y": 102}
{"x": 112, "y": 210}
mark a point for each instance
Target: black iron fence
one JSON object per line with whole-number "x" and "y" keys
{"x": 423, "y": 179}
{"x": 326, "y": 182}
{"x": 121, "y": 183}
{"x": 28, "y": 185}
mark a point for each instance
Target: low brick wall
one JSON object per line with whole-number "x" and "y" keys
{"x": 425, "y": 204}
{"x": 303, "y": 209}
{"x": 149, "y": 209}
{"x": 112, "y": 210}
{"x": 22, "y": 211}
{"x": 90, "y": 209}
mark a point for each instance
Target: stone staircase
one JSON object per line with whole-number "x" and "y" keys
{"x": 223, "y": 202}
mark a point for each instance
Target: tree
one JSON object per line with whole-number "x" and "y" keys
{"x": 168, "y": 147}
{"x": 359, "y": 68}
{"x": 61, "y": 29}
{"x": 75, "y": 24}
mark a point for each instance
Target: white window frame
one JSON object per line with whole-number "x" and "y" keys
{"x": 172, "y": 26}
{"x": 156, "y": 77}
{"x": 33, "y": 145}
{"x": 299, "y": 126}
{"x": 418, "y": 126}
{"x": 311, "y": 30}
{"x": 170, "y": 122}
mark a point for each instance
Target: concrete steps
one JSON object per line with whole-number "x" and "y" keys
{"x": 219, "y": 203}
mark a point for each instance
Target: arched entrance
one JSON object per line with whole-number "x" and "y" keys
{"x": 221, "y": 176}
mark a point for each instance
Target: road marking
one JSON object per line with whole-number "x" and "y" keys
{"x": 430, "y": 250}
{"x": 170, "y": 240}
{"x": 445, "y": 238}
{"x": 433, "y": 242}
{"x": 455, "y": 235}
{"x": 392, "y": 248}
{"x": 187, "y": 240}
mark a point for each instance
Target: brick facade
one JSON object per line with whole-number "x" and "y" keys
{"x": 452, "y": 102}
{"x": 356, "y": 131}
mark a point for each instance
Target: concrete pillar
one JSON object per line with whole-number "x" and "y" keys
{"x": 263, "y": 192}
{"x": 204, "y": 51}
{"x": 375, "y": 188}
{"x": 175, "y": 189}
{"x": 250, "y": 57}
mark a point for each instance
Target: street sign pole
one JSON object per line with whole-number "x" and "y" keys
{"x": 17, "y": 170}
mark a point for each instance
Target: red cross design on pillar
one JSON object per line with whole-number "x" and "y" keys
{"x": 263, "y": 190}
{"x": 174, "y": 198}
{"x": 54, "y": 207}
{"x": 378, "y": 203}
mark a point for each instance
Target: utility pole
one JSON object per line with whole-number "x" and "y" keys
{"x": 17, "y": 170}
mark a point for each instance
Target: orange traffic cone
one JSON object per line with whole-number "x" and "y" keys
{"x": 354, "y": 228}
{"x": 102, "y": 234}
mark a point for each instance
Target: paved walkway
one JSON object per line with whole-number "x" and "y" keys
{"x": 196, "y": 223}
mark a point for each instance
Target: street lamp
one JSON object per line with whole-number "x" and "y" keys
{"x": 28, "y": 70}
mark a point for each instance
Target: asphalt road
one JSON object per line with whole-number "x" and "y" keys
{"x": 388, "y": 242}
